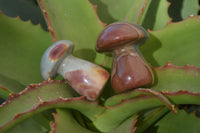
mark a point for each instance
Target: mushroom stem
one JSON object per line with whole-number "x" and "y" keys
{"x": 129, "y": 69}
{"x": 86, "y": 78}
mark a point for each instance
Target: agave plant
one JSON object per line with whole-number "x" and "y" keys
{"x": 32, "y": 104}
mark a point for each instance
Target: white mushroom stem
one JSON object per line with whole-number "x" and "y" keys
{"x": 86, "y": 78}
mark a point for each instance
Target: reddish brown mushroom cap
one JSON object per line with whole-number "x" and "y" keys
{"x": 118, "y": 35}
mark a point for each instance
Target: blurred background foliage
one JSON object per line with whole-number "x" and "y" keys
{"x": 29, "y": 10}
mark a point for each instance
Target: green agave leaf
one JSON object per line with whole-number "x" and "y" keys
{"x": 12, "y": 85}
{"x": 177, "y": 121}
{"x": 28, "y": 126}
{"x": 65, "y": 122}
{"x": 152, "y": 14}
{"x": 124, "y": 110}
{"x": 22, "y": 45}
{"x": 167, "y": 44}
{"x": 117, "y": 99}
{"x": 148, "y": 118}
{"x": 108, "y": 120}
{"x": 189, "y": 8}
{"x": 182, "y": 9}
{"x": 168, "y": 78}
{"x": 173, "y": 78}
{"x": 155, "y": 15}
{"x": 177, "y": 43}
{"x": 4, "y": 93}
{"x": 111, "y": 11}
{"x": 44, "y": 118}
{"x": 41, "y": 97}
{"x": 25, "y": 9}
{"x": 80, "y": 25}
{"x": 183, "y": 97}
{"x": 128, "y": 126}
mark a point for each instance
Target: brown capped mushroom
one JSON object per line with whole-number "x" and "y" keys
{"x": 86, "y": 78}
{"x": 129, "y": 69}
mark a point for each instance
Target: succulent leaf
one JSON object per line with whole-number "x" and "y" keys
{"x": 128, "y": 126}
{"x": 20, "y": 56}
{"x": 108, "y": 120}
{"x": 65, "y": 122}
{"x": 25, "y": 9}
{"x": 177, "y": 43}
{"x": 177, "y": 122}
{"x": 4, "y": 93}
{"x": 189, "y": 8}
{"x": 126, "y": 108}
{"x": 172, "y": 43}
{"x": 148, "y": 13}
{"x": 28, "y": 126}
{"x": 155, "y": 15}
{"x": 112, "y": 10}
{"x": 173, "y": 78}
{"x": 181, "y": 97}
{"x": 147, "y": 118}
{"x": 81, "y": 25}
{"x": 117, "y": 99}
{"x": 168, "y": 78}
{"x": 174, "y": 85}
{"x": 104, "y": 121}
{"x": 180, "y": 10}
{"x": 38, "y": 98}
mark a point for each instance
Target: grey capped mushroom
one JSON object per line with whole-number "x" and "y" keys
{"x": 86, "y": 78}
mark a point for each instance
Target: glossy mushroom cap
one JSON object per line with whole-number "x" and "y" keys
{"x": 53, "y": 56}
{"x": 120, "y": 34}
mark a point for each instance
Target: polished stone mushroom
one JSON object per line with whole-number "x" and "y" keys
{"x": 86, "y": 78}
{"x": 129, "y": 69}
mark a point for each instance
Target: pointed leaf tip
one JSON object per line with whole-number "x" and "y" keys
{"x": 95, "y": 9}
